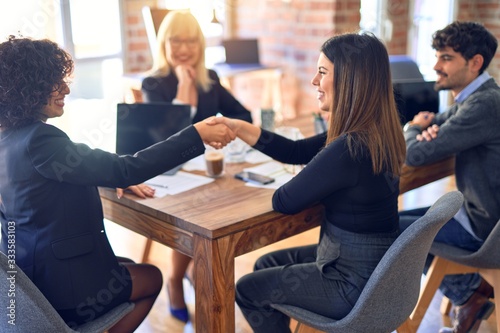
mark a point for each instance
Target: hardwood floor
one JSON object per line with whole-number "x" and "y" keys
{"x": 129, "y": 244}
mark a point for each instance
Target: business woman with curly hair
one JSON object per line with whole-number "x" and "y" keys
{"x": 48, "y": 188}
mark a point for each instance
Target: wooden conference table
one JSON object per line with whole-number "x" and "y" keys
{"x": 219, "y": 221}
{"x": 213, "y": 224}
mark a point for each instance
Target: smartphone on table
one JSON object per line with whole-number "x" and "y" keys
{"x": 254, "y": 178}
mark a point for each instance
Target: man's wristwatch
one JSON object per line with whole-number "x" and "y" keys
{"x": 409, "y": 125}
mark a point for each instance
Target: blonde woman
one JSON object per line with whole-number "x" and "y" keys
{"x": 179, "y": 74}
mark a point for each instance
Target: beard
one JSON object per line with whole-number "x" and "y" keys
{"x": 457, "y": 79}
{"x": 441, "y": 86}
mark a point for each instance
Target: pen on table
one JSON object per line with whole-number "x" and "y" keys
{"x": 155, "y": 184}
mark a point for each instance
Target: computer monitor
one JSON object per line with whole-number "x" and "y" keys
{"x": 241, "y": 51}
{"x": 141, "y": 125}
{"x": 415, "y": 96}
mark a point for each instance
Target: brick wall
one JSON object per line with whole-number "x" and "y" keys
{"x": 486, "y": 12}
{"x": 398, "y": 14}
{"x": 290, "y": 34}
{"x": 137, "y": 54}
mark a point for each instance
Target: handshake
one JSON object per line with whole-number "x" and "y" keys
{"x": 219, "y": 131}
{"x": 216, "y": 132}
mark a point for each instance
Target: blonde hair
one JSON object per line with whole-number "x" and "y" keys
{"x": 175, "y": 23}
{"x": 363, "y": 105}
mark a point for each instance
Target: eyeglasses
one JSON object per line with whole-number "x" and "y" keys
{"x": 177, "y": 42}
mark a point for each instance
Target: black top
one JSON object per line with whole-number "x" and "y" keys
{"x": 355, "y": 199}
{"x": 49, "y": 200}
{"x": 217, "y": 99}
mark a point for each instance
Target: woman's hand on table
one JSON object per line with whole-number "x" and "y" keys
{"x": 143, "y": 191}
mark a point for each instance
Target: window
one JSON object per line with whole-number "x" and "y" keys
{"x": 374, "y": 18}
{"x": 30, "y": 18}
{"x": 95, "y": 33}
{"x": 371, "y": 16}
{"x": 428, "y": 16}
{"x": 93, "y": 37}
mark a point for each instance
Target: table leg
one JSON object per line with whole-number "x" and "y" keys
{"x": 214, "y": 287}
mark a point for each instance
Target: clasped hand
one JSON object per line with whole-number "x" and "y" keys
{"x": 217, "y": 135}
{"x": 424, "y": 120}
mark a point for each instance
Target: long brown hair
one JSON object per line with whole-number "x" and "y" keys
{"x": 363, "y": 105}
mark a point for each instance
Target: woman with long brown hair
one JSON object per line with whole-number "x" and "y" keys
{"x": 352, "y": 170}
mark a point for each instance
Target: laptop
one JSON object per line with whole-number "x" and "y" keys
{"x": 242, "y": 51}
{"x": 141, "y": 125}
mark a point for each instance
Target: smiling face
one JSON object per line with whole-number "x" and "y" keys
{"x": 323, "y": 81}
{"x": 453, "y": 71}
{"x": 55, "y": 104}
{"x": 183, "y": 50}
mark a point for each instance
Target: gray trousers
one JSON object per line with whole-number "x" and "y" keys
{"x": 326, "y": 278}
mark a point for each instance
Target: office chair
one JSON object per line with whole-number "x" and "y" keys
{"x": 393, "y": 288}
{"x": 453, "y": 260}
{"x": 404, "y": 68}
{"x": 152, "y": 19}
{"x": 32, "y": 312}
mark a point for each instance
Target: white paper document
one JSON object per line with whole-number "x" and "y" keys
{"x": 180, "y": 182}
{"x": 254, "y": 156}
{"x": 195, "y": 164}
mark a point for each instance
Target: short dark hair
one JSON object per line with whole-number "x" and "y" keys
{"x": 468, "y": 39}
{"x": 30, "y": 70}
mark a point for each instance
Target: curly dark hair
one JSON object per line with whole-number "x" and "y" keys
{"x": 30, "y": 70}
{"x": 468, "y": 39}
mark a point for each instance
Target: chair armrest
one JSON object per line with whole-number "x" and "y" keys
{"x": 413, "y": 177}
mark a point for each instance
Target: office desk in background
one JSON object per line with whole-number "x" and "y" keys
{"x": 213, "y": 224}
{"x": 271, "y": 77}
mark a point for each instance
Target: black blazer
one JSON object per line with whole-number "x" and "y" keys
{"x": 217, "y": 99}
{"x": 49, "y": 199}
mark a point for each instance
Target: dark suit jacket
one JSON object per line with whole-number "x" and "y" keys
{"x": 48, "y": 193}
{"x": 217, "y": 99}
